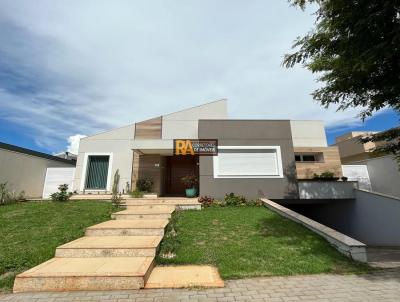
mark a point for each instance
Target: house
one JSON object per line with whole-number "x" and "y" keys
{"x": 255, "y": 157}
{"x": 25, "y": 170}
{"x": 374, "y": 172}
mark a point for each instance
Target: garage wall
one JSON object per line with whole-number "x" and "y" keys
{"x": 24, "y": 172}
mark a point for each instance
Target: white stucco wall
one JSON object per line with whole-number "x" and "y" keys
{"x": 308, "y": 134}
{"x": 184, "y": 124}
{"x": 116, "y": 142}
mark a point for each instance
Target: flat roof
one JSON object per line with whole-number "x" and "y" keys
{"x": 35, "y": 153}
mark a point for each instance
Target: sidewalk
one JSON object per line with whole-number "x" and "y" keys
{"x": 382, "y": 285}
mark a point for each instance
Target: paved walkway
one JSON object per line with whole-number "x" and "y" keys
{"x": 382, "y": 285}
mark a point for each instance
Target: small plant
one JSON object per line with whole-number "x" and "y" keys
{"x": 62, "y": 195}
{"x": 234, "y": 200}
{"x": 206, "y": 201}
{"x": 344, "y": 178}
{"x": 136, "y": 194}
{"x": 327, "y": 175}
{"x": 144, "y": 184}
{"x": 189, "y": 181}
{"x": 116, "y": 197}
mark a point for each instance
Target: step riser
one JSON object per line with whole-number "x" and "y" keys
{"x": 81, "y": 283}
{"x": 140, "y": 216}
{"x": 124, "y": 232}
{"x": 84, "y": 253}
{"x": 50, "y": 284}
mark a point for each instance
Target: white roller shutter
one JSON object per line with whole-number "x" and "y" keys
{"x": 56, "y": 177}
{"x": 247, "y": 162}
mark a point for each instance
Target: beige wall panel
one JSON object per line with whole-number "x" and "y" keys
{"x": 306, "y": 170}
{"x": 308, "y": 133}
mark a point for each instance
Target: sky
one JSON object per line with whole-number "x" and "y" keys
{"x": 75, "y": 68}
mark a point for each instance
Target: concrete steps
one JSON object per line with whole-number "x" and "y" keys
{"x": 181, "y": 203}
{"x": 73, "y": 274}
{"x": 110, "y": 246}
{"x": 145, "y": 212}
{"x": 136, "y": 227}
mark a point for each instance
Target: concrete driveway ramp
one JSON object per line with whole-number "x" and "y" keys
{"x": 73, "y": 274}
{"x": 184, "y": 276}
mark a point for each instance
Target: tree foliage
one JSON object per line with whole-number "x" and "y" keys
{"x": 355, "y": 46}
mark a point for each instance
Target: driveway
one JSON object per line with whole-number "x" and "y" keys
{"x": 381, "y": 285}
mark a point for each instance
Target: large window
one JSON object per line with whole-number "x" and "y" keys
{"x": 248, "y": 162}
{"x": 97, "y": 172}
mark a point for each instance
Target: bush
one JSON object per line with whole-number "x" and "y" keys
{"x": 63, "y": 195}
{"x": 327, "y": 175}
{"x": 136, "y": 194}
{"x": 234, "y": 200}
{"x": 206, "y": 201}
{"x": 144, "y": 184}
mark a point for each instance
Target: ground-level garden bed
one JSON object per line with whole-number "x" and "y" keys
{"x": 249, "y": 241}
{"x": 31, "y": 231}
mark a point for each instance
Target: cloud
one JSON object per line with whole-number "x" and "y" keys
{"x": 73, "y": 143}
{"x": 94, "y": 65}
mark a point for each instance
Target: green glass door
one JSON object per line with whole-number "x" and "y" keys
{"x": 97, "y": 172}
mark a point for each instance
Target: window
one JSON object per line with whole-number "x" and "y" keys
{"x": 313, "y": 157}
{"x": 248, "y": 162}
{"x": 97, "y": 172}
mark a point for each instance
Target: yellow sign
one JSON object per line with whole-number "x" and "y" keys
{"x": 195, "y": 147}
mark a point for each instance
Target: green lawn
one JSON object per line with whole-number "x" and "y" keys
{"x": 31, "y": 231}
{"x": 248, "y": 242}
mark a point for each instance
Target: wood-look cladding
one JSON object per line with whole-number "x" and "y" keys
{"x": 149, "y": 129}
{"x": 306, "y": 170}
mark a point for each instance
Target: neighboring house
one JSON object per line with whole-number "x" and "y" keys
{"x": 67, "y": 155}
{"x": 351, "y": 149}
{"x": 375, "y": 173}
{"x": 25, "y": 169}
{"x": 255, "y": 157}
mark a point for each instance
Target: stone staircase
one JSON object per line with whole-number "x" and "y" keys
{"x": 114, "y": 255}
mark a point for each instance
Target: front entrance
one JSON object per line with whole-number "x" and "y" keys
{"x": 176, "y": 168}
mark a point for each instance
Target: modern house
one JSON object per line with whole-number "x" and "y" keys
{"x": 255, "y": 157}
{"x": 25, "y": 170}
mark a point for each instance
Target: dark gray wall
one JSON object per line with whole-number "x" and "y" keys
{"x": 371, "y": 218}
{"x": 384, "y": 175}
{"x": 249, "y": 133}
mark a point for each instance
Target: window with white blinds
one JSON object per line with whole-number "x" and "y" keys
{"x": 248, "y": 162}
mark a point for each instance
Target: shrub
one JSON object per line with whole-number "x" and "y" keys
{"x": 206, "y": 201}
{"x": 144, "y": 184}
{"x": 136, "y": 194}
{"x": 8, "y": 197}
{"x": 189, "y": 181}
{"x": 327, "y": 175}
{"x": 63, "y": 195}
{"x": 116, "y": 197}
{"x": 344, "y": 178}
{"x": 233, "y": 200}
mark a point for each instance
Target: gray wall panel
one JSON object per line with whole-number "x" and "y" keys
{"x": 249, "y": 133}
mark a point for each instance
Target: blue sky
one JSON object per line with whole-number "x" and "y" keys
{"x": 77, "y": 69}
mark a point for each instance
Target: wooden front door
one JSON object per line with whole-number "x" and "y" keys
{"x": 178, "y": 167}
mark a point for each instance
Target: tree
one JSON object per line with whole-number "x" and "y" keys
{"x": 355, "y": 46}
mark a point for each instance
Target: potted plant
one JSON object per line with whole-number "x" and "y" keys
{"x": 190, "y": 182}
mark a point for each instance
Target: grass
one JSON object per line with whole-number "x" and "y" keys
{"x": 248, "y": 242}
{"x": 31, "y": 231}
